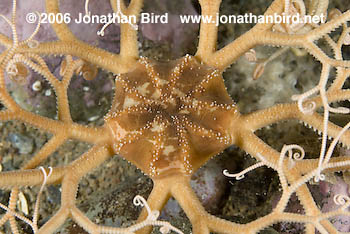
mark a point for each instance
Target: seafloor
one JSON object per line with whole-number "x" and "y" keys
{"x": 106, "y": 193}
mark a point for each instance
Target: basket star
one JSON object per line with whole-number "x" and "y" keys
{"x": 170, "y": 117}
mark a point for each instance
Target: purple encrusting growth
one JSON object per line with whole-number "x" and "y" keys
{"x": 328, "y": 191}
{"x": 175, "y": 33}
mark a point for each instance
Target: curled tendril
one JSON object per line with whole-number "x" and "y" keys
{"x": 17, "y": 70}
{"x": 33, "y": 43}
{"x": 237, "y": 176}
{"x": 37, "y": 203}
{"x": 298, "y": 155}
{"x": 11, "y": 69}
{"x": 164, "y": 230}
{"x": 151, "y": 219}
{"x": 309, "y": 107}
{"x": 240, "y": 175}
{"x": 120, "y": 14}
{"x": 139, "y": 201}
{"x": 342, "y": 200}
{"x": 88, "y": 71}
{"x": 306, "y": 108}
{"x": 152, "y": 214}
{"x": 319, "y": 177}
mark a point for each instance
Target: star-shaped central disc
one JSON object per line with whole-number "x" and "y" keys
{"x": 170, "y": 117}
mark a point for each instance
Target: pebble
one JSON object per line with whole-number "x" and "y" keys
{"x": 24, "y": 144}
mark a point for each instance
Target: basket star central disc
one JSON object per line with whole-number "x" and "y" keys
{"x": 170, "y": 117}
